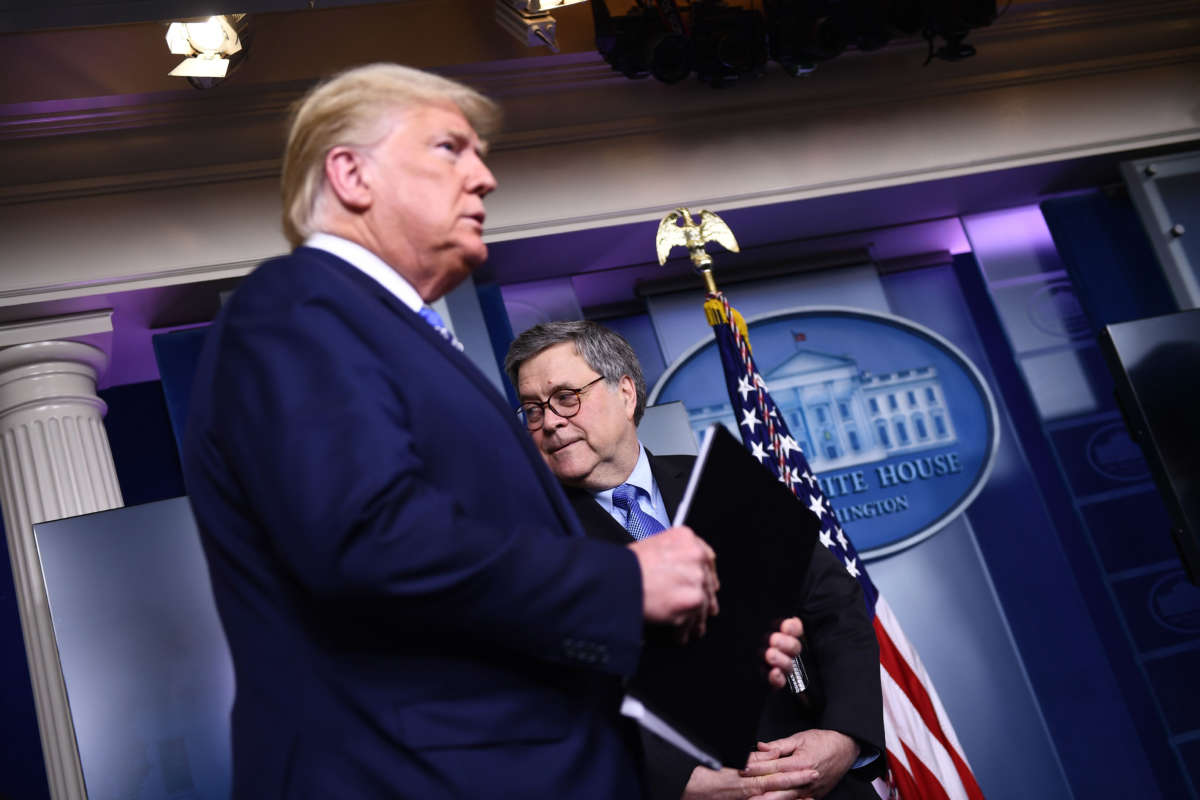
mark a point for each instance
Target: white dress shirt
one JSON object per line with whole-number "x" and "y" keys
{"x": 649, "y": 499}
{"x": 366, "y": 261}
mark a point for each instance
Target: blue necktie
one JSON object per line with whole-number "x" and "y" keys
{"x": 637, "y": 522}
{"x": 438, "y": 324}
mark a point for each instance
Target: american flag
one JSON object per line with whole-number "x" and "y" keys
{"x": 925, "y": 759}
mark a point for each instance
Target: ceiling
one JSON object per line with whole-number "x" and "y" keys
{"x": 111, "y": 55}
{"x": 85, "y": 100}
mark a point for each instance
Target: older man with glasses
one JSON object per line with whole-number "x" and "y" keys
{"x": 582, "y": 395}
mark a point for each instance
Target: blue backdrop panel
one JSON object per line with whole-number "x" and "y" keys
{"x": 139, "y": 432}
{"x": 1190, "y": 752}
{"x": 1174, "y": 681}
{"x": 1108, "y": 256}
{"x": 940, "y": 588}
{"x": 500, "y": 333}
{"x": 1113, "y": 271}
{"x": 146, "y": 666}
{"x": 1098, "y": 455}
{"x": 177, "y": 353}
{"x": 1091, "y": 702}
{"x": 1162, "y": 610}
{"x": 1127, "y": 529}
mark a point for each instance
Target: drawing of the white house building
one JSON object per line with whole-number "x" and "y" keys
{"x": 842, "y": 416}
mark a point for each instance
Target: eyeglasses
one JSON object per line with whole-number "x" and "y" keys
{"x": 564, "y": 402}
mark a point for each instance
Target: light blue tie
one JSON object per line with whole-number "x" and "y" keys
{"x": 438, "y": 324}
{"x": 637, "y": 522}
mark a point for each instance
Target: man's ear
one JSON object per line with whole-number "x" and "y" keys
{"x": 346, "y": 174}
{"x": 628, "y": 395}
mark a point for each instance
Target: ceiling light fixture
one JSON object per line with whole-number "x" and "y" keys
{"x": 529, "y": 21}
{"x": 210, "y": 46}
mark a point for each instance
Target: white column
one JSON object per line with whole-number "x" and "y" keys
{"x": 55, "y": 462}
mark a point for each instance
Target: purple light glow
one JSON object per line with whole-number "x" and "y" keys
{"x": 1014, "y": 243}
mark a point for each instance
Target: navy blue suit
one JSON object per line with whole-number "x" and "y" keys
{"x": 411, "y": 604}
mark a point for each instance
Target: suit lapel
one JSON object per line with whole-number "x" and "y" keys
{"x": 460, "y": 361}
{"x": 671, "y": 476}
{"x": 420, "y": 327}
{"x": 596, "y": 521}
{"x": 671, "y": 479}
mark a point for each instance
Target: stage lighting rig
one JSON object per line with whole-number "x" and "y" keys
{"x": 720, "y": 42}
{"x": 945, "y": 21}
{"x": 650, "y": 39}
{"x": 724, "y": 43}
{"x": 803, "y": 34}
{"x": 727, "y": 43}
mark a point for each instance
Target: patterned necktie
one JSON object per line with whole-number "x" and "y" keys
{"x": 438, "y": 324}
{"x": 637, "y": 522}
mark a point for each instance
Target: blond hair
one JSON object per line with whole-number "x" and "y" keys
{"x": 353, "y": 109}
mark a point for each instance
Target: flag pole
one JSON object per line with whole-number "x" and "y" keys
{"x": 694, "y": 235}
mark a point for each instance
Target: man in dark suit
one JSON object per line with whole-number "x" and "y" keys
{"x": 411, "y": 605}
{"x": 582, "y": 394}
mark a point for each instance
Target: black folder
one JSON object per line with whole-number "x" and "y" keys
{"x": 712, "y": 690}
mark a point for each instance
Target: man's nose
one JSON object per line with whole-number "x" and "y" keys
{"x": 481, "y": 182}
{"x": 552, "y": 419}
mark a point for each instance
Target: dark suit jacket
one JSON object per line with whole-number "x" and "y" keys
{"x": 411, "y": 605}
{"x": 841, "y": 652}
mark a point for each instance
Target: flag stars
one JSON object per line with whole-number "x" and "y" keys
{"x": 756, "y": 450}
{"x": 825, "y": 538}
{"x": 744, "y": 387}
{"x": 750, "y": 419}
{"x": 817, "y": 506}
{"x": 842, "y": 540}
{"x": 788, "y": 444}
{"x": 852, "y": 566}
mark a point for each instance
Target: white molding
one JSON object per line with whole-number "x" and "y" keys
{"x": 66, "y": 326}
{"x": 142, "y": 181}
{"x": 126, "y": 283}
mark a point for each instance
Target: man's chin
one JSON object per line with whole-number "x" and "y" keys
{"x": 453, "y": 275}
{"x": 568, "y": 470}
{"x": 474, "y": 254}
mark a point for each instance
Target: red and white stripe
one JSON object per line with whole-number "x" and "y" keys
{"x": 927, "y": 762}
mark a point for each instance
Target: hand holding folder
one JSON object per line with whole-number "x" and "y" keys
{"x": 710, "y": 692}
{"x": 673, "y": 562}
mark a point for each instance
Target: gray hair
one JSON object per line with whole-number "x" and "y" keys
{"x": 352, "y": 109}
{"x": 604, "y": 350}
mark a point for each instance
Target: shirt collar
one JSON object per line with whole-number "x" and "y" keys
{"x": 364, "y": 260}
{"x": 641, "y": 477}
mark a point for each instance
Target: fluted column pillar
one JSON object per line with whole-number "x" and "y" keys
{"x": 55, "y": 462}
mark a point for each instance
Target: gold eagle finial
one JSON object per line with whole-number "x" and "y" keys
{"x": 693, "y": 236}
